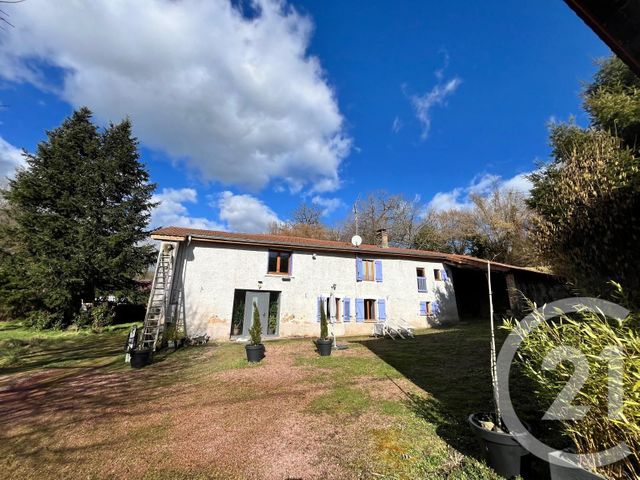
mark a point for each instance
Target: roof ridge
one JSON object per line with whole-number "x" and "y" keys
{"x": 172, "y": 231}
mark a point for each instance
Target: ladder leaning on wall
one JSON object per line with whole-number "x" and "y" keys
{"x": 157, "y": 307}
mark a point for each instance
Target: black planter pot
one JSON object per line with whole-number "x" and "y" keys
{"x": 255, "y": 353}
{"x": 324, "y": 347}
{"x": 140, "y": 358}
{"x": 502, "y": 451}
{"x": 570, "y": 471}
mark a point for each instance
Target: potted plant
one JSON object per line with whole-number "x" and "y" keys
{"x": 255, "y": 348}
{"x": 501, "y": 449}
{"x": 324, "y": 343}
{"x": 140, "y": 358}
{"x": 237, "y": 317}
{"x": 608, "y": 342}
{"x": 569, "y": 470}
{"x": 236, "y": 329}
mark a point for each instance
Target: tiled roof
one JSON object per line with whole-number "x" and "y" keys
{"x": 313, "y": 243}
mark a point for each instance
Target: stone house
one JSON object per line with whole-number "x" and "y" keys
{"x": 214, "y": 279}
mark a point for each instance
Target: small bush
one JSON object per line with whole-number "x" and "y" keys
{"x": 43, "y": 320}
{"x": 256, "y": 328}
{"x": 101, "y": 316}
{"x": 82, "y": 319}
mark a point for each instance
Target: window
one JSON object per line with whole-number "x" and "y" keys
{"x": 327, "y": 308}
{"x": 368, "y": 269}
{"x": 437, "y": 274}
{"x": 279, "y": 262}
{"x": 422, "y": 280}
{"x": 369, "y": 309}
{"x": 425, "y": 309}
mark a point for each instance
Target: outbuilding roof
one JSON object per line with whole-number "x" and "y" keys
{"x": 303, "y": 243}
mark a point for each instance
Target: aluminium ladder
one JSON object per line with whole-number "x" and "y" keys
{"x": 157, "y": 307}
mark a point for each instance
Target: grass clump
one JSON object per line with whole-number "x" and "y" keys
{"x": 342, "y": 400}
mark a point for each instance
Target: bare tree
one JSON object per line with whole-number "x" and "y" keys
{"x": 383, "y": 210}
{"x": 495, "y": 227}
{"x": 4, "y": 16}
{"x": 305, "y": 222}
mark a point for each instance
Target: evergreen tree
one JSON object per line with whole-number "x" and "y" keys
{"x": 255, "y": 332}
{"x": 77, "y": 218}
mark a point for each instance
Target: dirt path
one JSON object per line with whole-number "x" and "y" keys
{"x": 181, "y": 418}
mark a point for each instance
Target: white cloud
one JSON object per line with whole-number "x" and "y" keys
{"x": 396, "y": 126}
{"x": 459, "y": 197}
{"x": 423, "y": 104}
{"x": 172, "y": 210}
{"x": 245, "y": 213}
{"x": 10, "y": 159}
{"x": 449, "y": 201}
{"x": 239, "y": 100}
{"x": 519, "y": 183}
{"x": 329, "y": 205}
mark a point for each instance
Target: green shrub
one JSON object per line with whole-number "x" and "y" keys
{"x": 101, "y": 316}
{"x": 82, "y": 319}
{"x": 324, "y": 330}
{"x": 590, "y": 333}
{"x": 43, "y": 320}
{"x": 171, "y": 332}
{"x": 255, "y": 332}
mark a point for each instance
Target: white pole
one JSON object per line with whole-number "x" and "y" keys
{"x": 494, "y": 370}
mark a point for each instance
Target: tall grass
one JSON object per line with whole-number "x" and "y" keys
{"x": 590, "y": 333}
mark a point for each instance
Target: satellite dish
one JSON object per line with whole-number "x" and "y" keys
{"x": 356, "y": 240}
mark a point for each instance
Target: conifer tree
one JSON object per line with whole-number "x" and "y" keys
{"x": 77, "y": 216}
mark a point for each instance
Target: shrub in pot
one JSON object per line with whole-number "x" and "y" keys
{"x": 590, "y": 334}
{"x": 324, "y": 343}
{"x": 255, "y": 348}
{"x": 501, "y": 449}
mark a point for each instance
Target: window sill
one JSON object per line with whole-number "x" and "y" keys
{"x": 279, "y": 275}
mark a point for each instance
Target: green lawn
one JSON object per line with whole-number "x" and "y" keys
{"x": 22, "y": 349}
{"x": 380, "y": 409}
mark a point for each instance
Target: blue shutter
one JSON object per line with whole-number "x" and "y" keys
{"x": 359, "y": 270}
{"x": 423, "y": 308}
{"x": 435, "y": 308}
{"x": 378, "y": 270}
{"x": 382, "y": 309}
{"x": 346, "y": 309}
{"x": 319, "y": 303}
{"x": 444, "y": 274}
{"x": 359, "y": 310}
{"x": 291, "y": 263}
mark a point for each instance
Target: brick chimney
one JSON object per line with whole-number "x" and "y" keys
{"x": 383, "y": 238}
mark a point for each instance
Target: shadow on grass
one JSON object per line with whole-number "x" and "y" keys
{"x": 68, "y": 382}
{"x": 451, "y": 364}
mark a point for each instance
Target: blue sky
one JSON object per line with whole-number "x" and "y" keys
{"x": 241, "y": 116}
